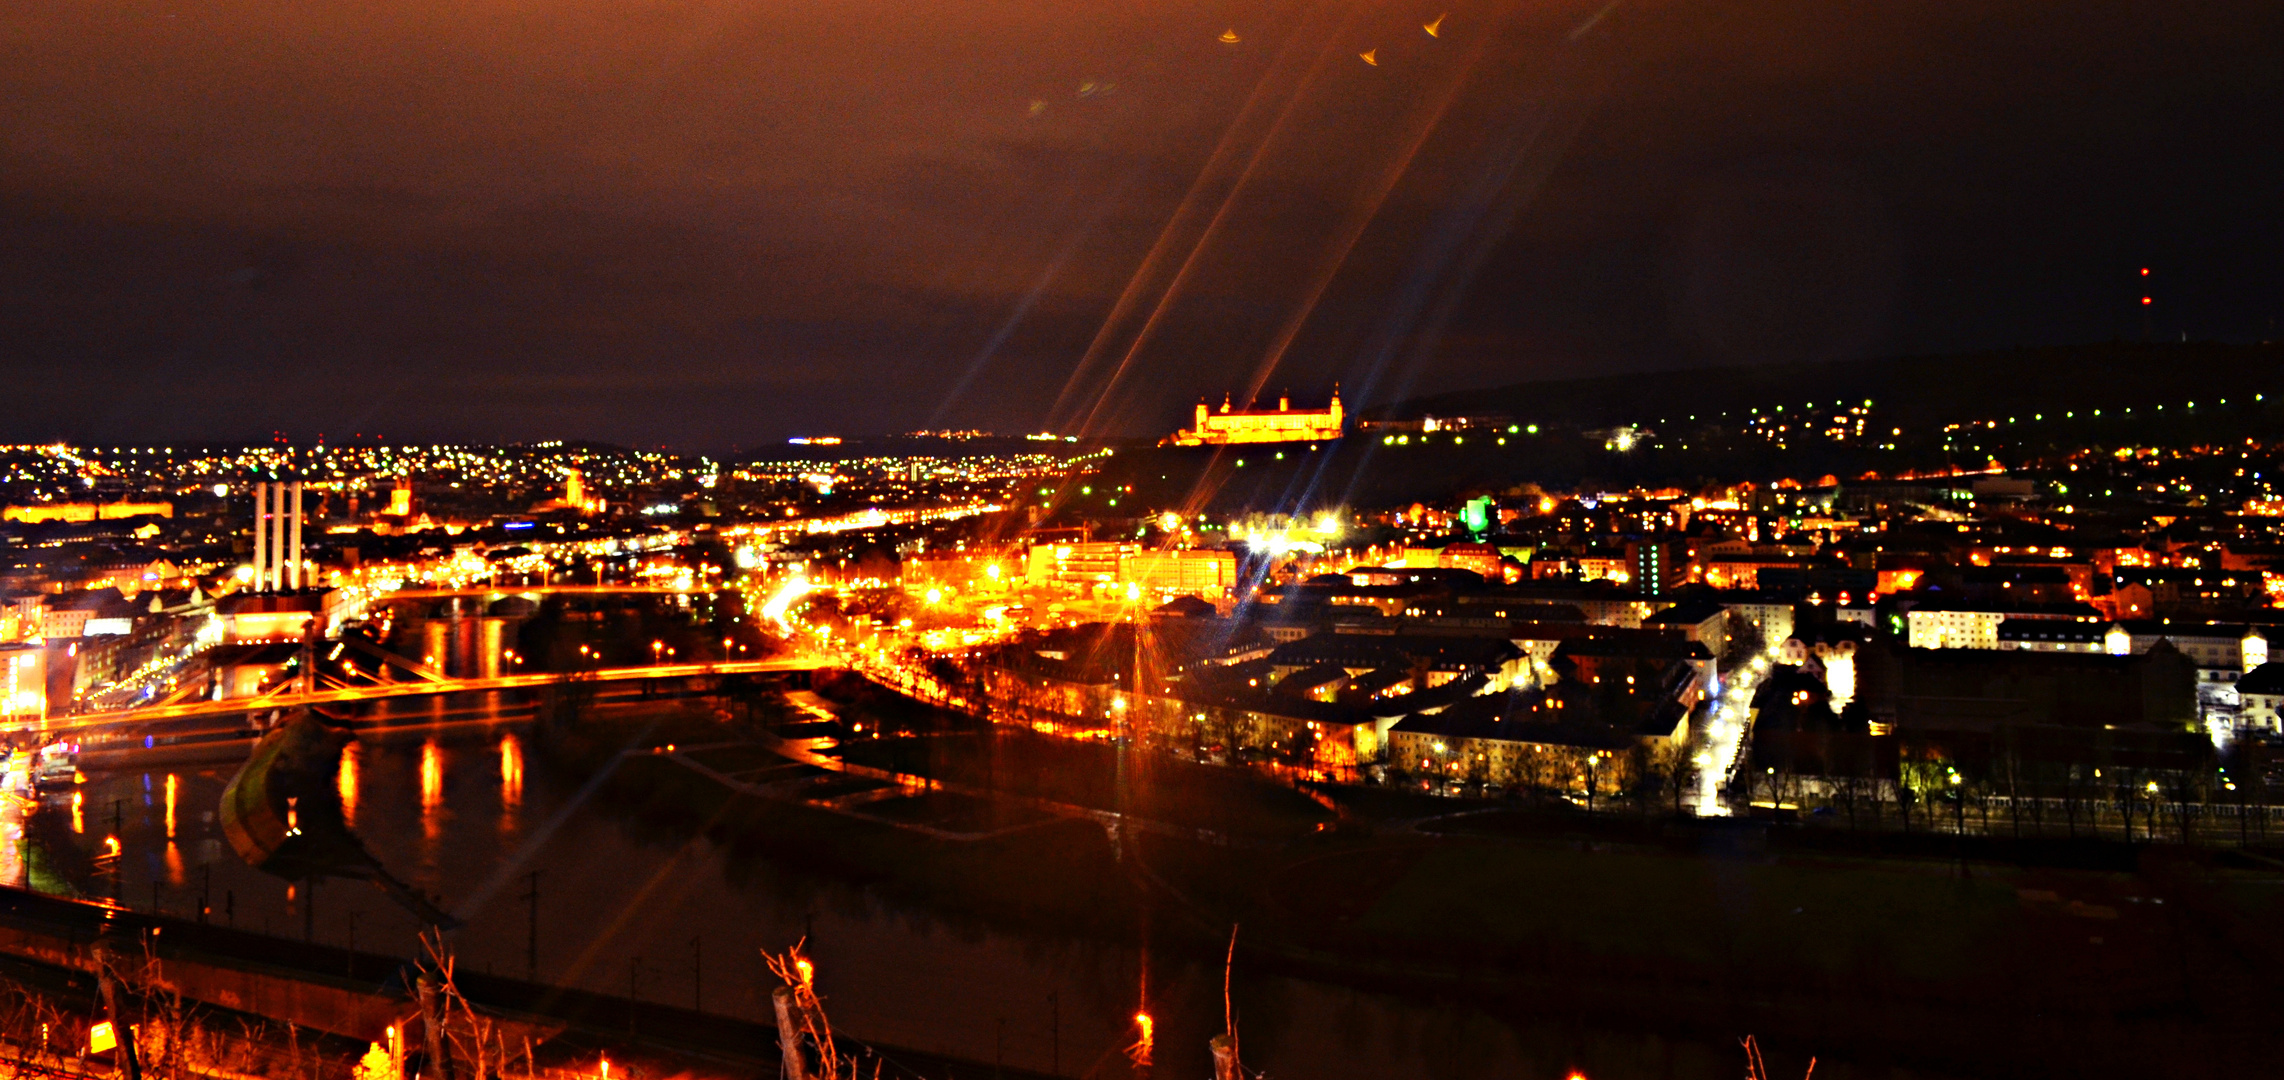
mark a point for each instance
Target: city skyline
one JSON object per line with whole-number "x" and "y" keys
{"x": 1016, "y": 540}
{"x": 445, "y": 226}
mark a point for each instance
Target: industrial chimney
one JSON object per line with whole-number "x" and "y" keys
{"x": 277, "y": 537}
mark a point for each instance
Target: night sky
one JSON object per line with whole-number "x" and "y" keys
{"x": 710, "y": 225}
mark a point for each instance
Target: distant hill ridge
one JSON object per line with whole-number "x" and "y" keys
{"x": 1908, "y": 392}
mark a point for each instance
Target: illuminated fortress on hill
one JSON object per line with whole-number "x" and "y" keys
{"x": 1282, "y": 424}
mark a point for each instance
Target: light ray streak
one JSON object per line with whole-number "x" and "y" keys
{"x": 1593, "y": 19}
{"x": 1030, "y": 299}
{"x": 1217, "y": 164}
{"x": 669, "y": 870}
{"x": 1166, "y": 300}
{"x": 1364, "y": 212}
{"x": 1473, "y": 227}
{"x": 512, "y": 867}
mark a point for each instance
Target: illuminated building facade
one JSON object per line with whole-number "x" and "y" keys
{"x": 1075, "y": 564}
{"x": 574, "y": 497}
{"x": 23, "y": 680}
{"x": 1190, "y": 573}
{"x": 1655, "y": 566}
{"x": 88, "y": 511}
{"x": 1976, "y": 626}
{"x": 1282, "y": 424}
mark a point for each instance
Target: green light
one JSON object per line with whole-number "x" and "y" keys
{"x": 1476, "y": 514}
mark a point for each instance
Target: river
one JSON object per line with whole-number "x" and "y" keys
{"x": 457, "y": 806}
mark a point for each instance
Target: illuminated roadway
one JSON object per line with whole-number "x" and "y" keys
{"x": 536, "y": 590}
{"x": 379, "y": 691}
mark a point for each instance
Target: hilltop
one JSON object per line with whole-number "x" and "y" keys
{"x": 1909, "y": 392}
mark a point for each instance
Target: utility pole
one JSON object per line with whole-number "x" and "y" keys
{"x": 697, "y": 976}
{"x": 634, "y": 990}
{"x": 531, "y": 944}
{"x": 119, "y": 857}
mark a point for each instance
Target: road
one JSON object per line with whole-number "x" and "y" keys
{"x": 548, "y": 590}
{"x": 91, "y": 723}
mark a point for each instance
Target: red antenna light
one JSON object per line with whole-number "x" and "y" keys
{"x": 2144, "y": 271}
{"x": 2145, "y": 300}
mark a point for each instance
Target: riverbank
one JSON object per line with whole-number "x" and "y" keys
{"x": 232, "y": 1003}
{"x": 1926, "y": 963}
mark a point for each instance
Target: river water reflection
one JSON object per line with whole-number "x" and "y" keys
{"x": 463, "y": 811}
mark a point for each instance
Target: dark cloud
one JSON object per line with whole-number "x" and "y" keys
{"x": 710, "y": 224}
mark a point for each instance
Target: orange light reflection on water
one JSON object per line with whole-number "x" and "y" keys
{"x": 352, "y": 758}
{"x": 511, "y": 771}
{"x": 431, "y": 789}
{"x": 170, "y": 806}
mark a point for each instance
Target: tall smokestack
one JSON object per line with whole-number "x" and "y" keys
{"x": 277, "y": 540}
{"x": 296, "y": 548}
{"x": 261, "y": 536}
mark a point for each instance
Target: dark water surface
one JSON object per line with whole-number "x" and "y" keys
{"x": 464, "y": 811}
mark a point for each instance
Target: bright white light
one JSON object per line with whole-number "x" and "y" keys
{"x": 787, "y": 595}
